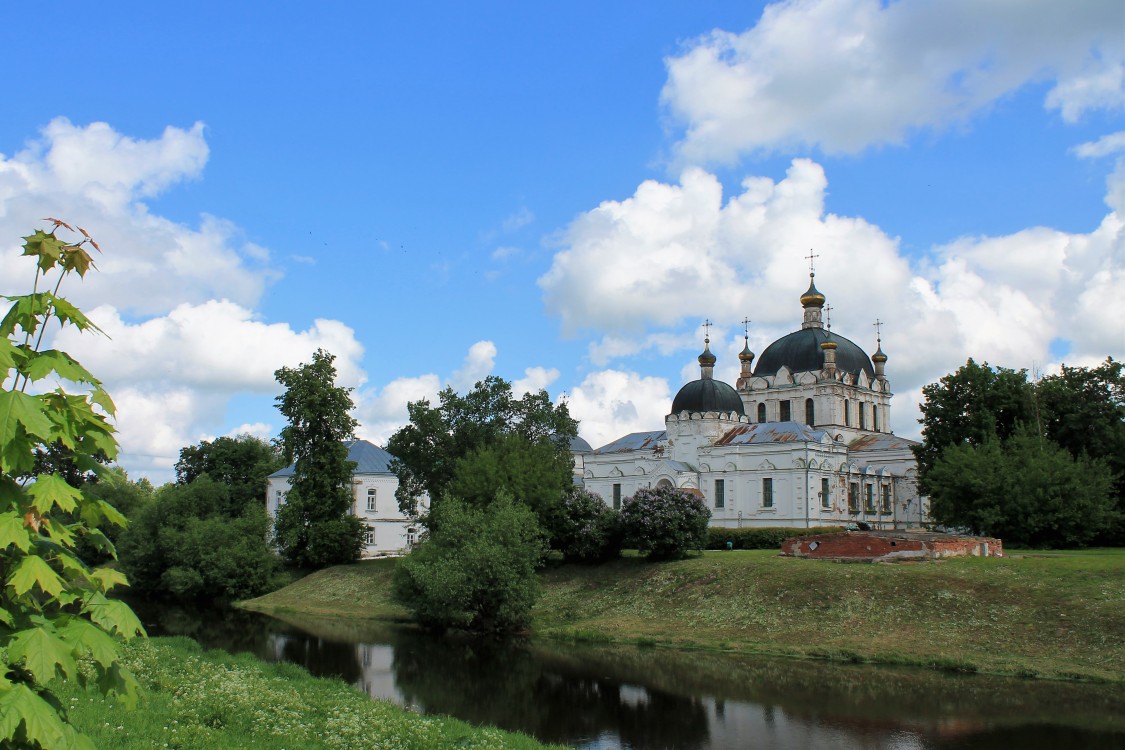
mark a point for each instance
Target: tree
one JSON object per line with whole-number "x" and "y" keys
{"x": 186, "y": 545}
{"x": 54, "y": 612}
{"x": 241, "y": 463}
{"x": 1025, "y": 490}
{"x": 1083, "y": 410}
{"x": 497, "y": 433}
{"x": 973, "y": 405}
{"x": 665, "y": 522}
{"x": 585, "y": 529}
{"x": 476, "y": 571}
{"x": 315, "y": 527}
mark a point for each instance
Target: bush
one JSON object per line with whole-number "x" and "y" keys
{"x": 760, "y": 538}
{"x": 665, "y": 523}
{"x": 476, "y": 571}
{"x": 585, "y": 529}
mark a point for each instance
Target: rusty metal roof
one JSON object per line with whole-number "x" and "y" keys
{"x": 771, "y": 432}
{"x": 880, "y": 441}
{"x": 637, "y": 441}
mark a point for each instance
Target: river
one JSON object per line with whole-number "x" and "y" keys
{"x": 625, "y": 698}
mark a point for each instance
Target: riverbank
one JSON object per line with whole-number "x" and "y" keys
{"x": 1033, "y": 614}
{"x": 197, "y": 699}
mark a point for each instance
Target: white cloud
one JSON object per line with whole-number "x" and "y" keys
{"x": 1002, "y": 299}
{"x": 478, "y": 364}
{"x": 1108, "y": 144}
{"x": 176, "y": 301}
{"x": 612, "y": 403}
{"x": 846, "y": 74}
{"x": 534, "y": 379}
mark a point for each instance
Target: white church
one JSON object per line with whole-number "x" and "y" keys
{"x": 801, "y": 440}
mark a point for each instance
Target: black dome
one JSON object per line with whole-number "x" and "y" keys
{"x": 800, "y": 351}
{"x": 706, "y": 395}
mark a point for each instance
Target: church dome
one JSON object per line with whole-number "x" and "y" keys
{"x": 801, "y": 351}
{"x": 707, "y": 394}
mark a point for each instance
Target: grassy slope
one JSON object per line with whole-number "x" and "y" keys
{"x": 193, "y": 699}
{"x": 1051, "y": 615}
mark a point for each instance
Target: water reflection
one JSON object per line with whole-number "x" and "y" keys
{"x": 626, "y": 698}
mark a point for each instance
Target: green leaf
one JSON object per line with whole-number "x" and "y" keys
{"x": 42, "y": 654}
{"x": 34, "y": 571}
{"x": 68, "y": 313}
{"x": 85, "y": 637}
{"x": 25, "y": 312}
{"x": 13, "y": 531}
{"x": 112, "y": 514}
{"x": 41, "y": 724}
{"x": 44, "y": 363}
{"x": 107, "y": 578}
{"x": 114, "y": 616}
{"x": 21, "y": 409}
{"x": 50, "y": 490}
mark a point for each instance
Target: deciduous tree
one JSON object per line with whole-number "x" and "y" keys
{"x": 665, "y": 523}
{"x": 315, "y": 527}
{"x": 242, "y": 463}
{"x": 496, "y": 434}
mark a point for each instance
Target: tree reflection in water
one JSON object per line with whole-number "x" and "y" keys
{"x": 640, "y": 699}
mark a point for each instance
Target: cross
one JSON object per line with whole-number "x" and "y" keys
{"x": 878, "y": 330}
{"x": 810, "y": 257}
{"x": 746, "y": 327}
{"x": 828, "y": 315}
{"x": 707, "y": 331}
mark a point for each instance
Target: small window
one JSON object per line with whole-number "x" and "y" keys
{"x": 786, "y": 416}
{"x": 875, "y": 418}
{"x": 885, "y": 500}
{"x": 810, "y": 412}
{"x": 847, "y": 414}
{"x": 411, "y": 536}
{"x": 371, "y": 499}
{"x": 369, "y": 537}
{"x": 720, "y": 494}
{"x": 869, "y": 498}
{"x": 862, "y": 416}
{"x": 617, "y": 497}
{"x": 767, "y": 493}
{"x": 853, "y": 497}
{"x": 761, "y": 412}
{"x": 825, "y": 495}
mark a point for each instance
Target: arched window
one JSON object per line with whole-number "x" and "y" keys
{"x": 810, "y": 412}
{"x": 761, "y": 412}
{"x": 875, "y": 417}
{"x": 786, "y": 416}
{"x": 862, "y": 416}
{"x": 847, "y": 414}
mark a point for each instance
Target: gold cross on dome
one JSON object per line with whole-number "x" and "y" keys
{"x": 878, "y": 330}
{"x": 707, "y": 331}
{"x": 810, "y": 258}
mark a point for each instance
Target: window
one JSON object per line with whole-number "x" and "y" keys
{"x": 825, "y": 496}
{"x": 869, "y": 498}
{"x": 847, "y": 414}
{"x": 810, "y": 412}
{"x": 411, "y": 536}
{"x": 853, "y": 497}
{"x": 371, "y": 498}
{"x": 767, "y": 493}
{"x": 280, "y": 498}
{"x": 785, "y": 414}
{"x": 369, "y": 536}
{"x": 862, "y": 416}
{"x": 761, "y": 412}
{"x": 885, "y": 500}
{"x": 617, "y": 497}
{"x": 875, "y": 417}
{"x": 720, "y": 494}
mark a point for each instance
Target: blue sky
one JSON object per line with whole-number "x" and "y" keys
{"x": 561, "y": 194}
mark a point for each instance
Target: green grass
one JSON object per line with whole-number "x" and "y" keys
{"x": 193, "y": 699}
{"x": 1042, "y": 614}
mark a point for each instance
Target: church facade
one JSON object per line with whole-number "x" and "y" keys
{"x": 801, "y": 440}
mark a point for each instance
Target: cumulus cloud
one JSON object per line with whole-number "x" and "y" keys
{"x": 1113, "y": 143}
{"x": 612, "y": 403}
{"x": 176, "y": 301}
{"x": 842, "y": 75}
{"x": 1003, "y": 299}
{"x": 534, "y": 379}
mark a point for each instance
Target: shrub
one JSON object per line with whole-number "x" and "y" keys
{"x": 476, "y": 571}
{"x": 585, "y": 529}
{"x": 665, "y": 523}
{"x": 759, "y": 538}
